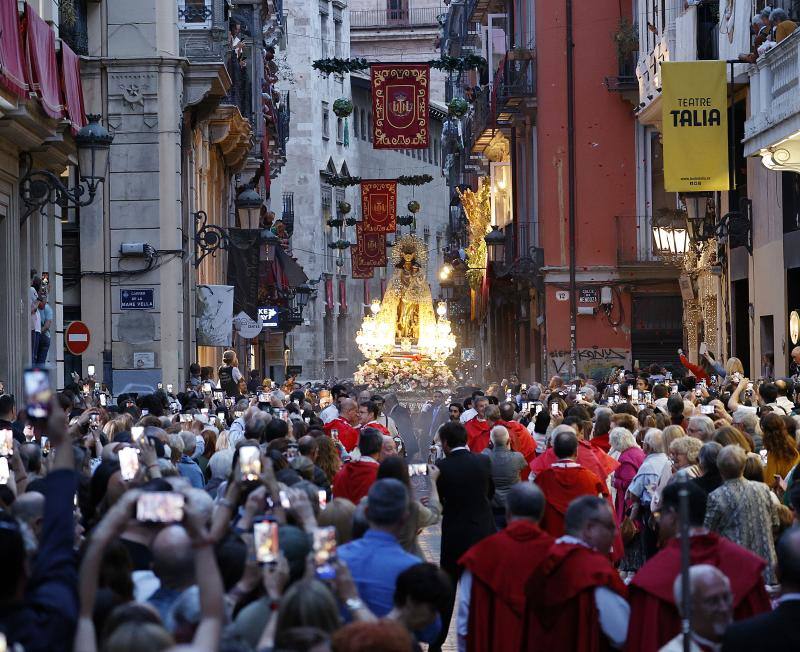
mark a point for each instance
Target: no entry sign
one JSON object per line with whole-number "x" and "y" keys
{"x": 77, "y": 337}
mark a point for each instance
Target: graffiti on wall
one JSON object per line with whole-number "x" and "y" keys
{"x": 595, "y": 362}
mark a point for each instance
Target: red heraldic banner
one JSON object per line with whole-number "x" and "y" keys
{"x": 370, "y": 247}
{"x": 400, "y": 105}
{"x": 379, "y": 206}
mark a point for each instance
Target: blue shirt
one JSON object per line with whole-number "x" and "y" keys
{"x": 189, "y": 469}
{"x": 45, "y": 315}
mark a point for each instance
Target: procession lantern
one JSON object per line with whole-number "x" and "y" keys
{"x": 495, "y": 245}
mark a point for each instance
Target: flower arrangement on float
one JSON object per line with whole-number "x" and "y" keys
{"x": 404, "y": 374}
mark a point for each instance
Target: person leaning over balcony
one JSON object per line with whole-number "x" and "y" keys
{"x": 782, "y": 25}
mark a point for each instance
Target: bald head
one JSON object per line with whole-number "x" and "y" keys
{"x": 507, "y": 410}
{"x": 710, "y": 598}
{"x": 524, "y": 500}
{"x": 173, "y": 557}
{"x": 29, "y": 508}
{"x": 565, "y": 443}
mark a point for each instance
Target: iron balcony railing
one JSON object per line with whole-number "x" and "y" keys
{"x": 406, "y": 17}
{"x": 195, "y": 14}
{"x": 518, "y": 79}
{"x": 635, "y": 243}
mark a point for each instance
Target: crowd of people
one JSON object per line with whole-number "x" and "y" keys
{"x": 237, "y": 515}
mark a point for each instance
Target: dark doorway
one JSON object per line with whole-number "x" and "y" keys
{"x": 656, "y": 330}
{"x": 740, "y": 310}
{"x": 792, "y": 303}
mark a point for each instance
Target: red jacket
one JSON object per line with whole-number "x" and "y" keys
{"x": 354, "y": 480}
{"x": 477, "y": 434}
{"x": 589, "y": 457}
{"x": 560, "y": 611}
{"x": 697, "y": 370}
{"x": 601, "y": 442}
{"x": 347, "y": 434}
{"x": 562, "y": 483}
{"x": 497, "y": 601}
{"x": 654, "y": 616}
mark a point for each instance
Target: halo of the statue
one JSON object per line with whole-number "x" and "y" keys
{"x": 407, "y": 244}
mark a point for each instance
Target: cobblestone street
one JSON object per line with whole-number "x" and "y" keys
{"x": 430, "y": 541}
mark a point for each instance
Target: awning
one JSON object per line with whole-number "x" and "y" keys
{"x": 40, "y": 47}
{"x": 12, "y": 70}
{"x": 293, "y": 272}
{"x": 73, "y": 91}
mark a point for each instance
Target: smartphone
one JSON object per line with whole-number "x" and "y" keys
{"x": 204, "y": 411}
{"x": 159, "y": 386}
{"x": 630, "y": 390}
{"x": 325, "y": 552}
{"x": 703, "y": 348}
{"x": 90, "y": 370}
{"x": 263, "y": 397}
{"x": 238, "y": 414}
{"x": 322, "y": 497}
{"x": 285, "y": 502}
{"x": 128, "y": 463}
{"x": 145, "y": 412}
{"x": 221, "y": 416}
{"x": 749, "y": 387}
{"x": 635, "y": 395}
{"x": 283, "y": 415}
{"x": 38, "y": 393}
{"x": 554, "y": 409}
{"x": 537, "y": 409}
{"x": 103, "y": 400}
{"x": 674, "y": 389}
{"x": 5, "y": 474}
{"x": 186, "y": 418}
{"x": 137, "y": 432}
{"x": 523, "y": 387}
{"x": 265, "y": 536}
{"x": 207, "y": 387}
{"x": 94, "y": 420}
{"x": 45, "y": 443}
{"x": 737, "y": 377}
{"x": 250, "y": 463}
{"x": 763, "y": 454}
{"x": 160, "y": 507}
{"x": 218, "y": 396}
{"x": 335, "y": 435}
{"x": 706, "y": 409}
{"x": 169, "y": 389}
{"x": 229, "y": 402}
{"x": 6, "y": 443}
{"x": 526, "y": 406}
{"x": 648, "y": 397}
{"x": 668, "y": 375}
{"x": 615, "y": 387}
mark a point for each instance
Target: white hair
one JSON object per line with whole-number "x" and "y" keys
{"x": 202, "y": 502}
{"x": 499, "y": 435}
{"x": 697, "y": 573}
{"x": 221, "y": 463}
{"x": 654, "y": 440}
{"x": 621, "y": 439}
{"x": 703, "y": 422}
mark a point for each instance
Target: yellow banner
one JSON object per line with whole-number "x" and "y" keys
{"x": 694, "y": 113}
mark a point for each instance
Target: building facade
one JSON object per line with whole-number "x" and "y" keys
{"x": 322, "y": 146}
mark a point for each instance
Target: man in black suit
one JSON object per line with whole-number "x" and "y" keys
{"x": 405, "y": 427}
{"x": 778, "y": 629}
{"x": 465, "y": 488}
{"x": 433, "y": 416}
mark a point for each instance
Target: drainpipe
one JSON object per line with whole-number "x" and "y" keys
{"x": 573, "y": 290}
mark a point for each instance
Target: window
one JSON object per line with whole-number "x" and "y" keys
{"x": 339, "y": 130}
{"x": 326, "y": 119}
{"x": 328, "y": 336}
{"x": 323, "y": 34}
{"x": 356, "y": 124}
{"x": 363, "y": 125}
{"x": 195, "y": 14}
{"x": 337, "y": 37}
{"x": 369, "y": 125}
{"x": 327, "y": 213}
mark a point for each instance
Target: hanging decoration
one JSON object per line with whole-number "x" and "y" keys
{"x": 370, "y": 247}
{"x": 344, "y": 207}
{"x": 360, "y": 270}
{"x": 400, "y": 106}
{"x": 413, "y": 206}
{"x": 457, "y": 107}
{"x": 339, "y": 66}
{"x": 379, "y": 206}
{"x": 448, "y": 64}
{"x": 343, "y": 181}
{"x": 414, "y": 179}
{"x": 343, "y": 107}
{"x": 477, "y": 208}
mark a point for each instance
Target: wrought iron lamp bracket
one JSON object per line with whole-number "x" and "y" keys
{"x": 525, "y": 267}
{"x": 208, "y": 238}
{"x": 37, "y": 188}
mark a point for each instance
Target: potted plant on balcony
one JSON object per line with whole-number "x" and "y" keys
{"x": 520, "y": 53}
{"x": 626, "y": 39}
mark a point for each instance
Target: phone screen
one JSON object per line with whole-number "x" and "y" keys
{"x": 5, "y": 474}
{"x": 285, "y": 502}
{"x": 538, "y": 408}
{"x": 136, "y": 433}
{"x": 38, "y": 393}
{"x": 6, "y": 443}
{"x": 206, "y": 387}
{"x": 250, "y": 462}
{"x": 322, "y": 497}
{"x": 554, "y": 409}
{"x": 103, "y": 400}
{"x": 325, "y": 552}
{"x": 263, "y": 398}
{"x": 160, "y": 507}
{"x": 265, "y": 535}
{"x": 128, "y": 463}
{"x": 706, "y": 409}
{"x": 186, "y": 418}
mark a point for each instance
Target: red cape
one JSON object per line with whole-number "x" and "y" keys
{"x": 601, "y": 442}
{"x": 589, "y": 457}
{"x": 497, "y": 601}
{"x": 522, "y": 442}
{"x": 562, "y": 483}
{"x": 477, "y": 434}
{"x": 378, "y": 426}
{"x": 560, "y": 611}
{"x": 354, "y": 480}
{"x": 654, "y": 616}
{"x": 347, "y": 434}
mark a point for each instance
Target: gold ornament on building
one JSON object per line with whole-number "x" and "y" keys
{"x": 478, "y": 209}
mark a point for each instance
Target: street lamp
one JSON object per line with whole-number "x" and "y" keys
{"x": 272, "y": 241}
{"x": 40, "y": 187}
{"x": 303, "y": 292}
{"x": 248, "y": 206}
{"x": 445, "y": 272}
{"x": 495, "y": 245}
{"x": 670, "y": 237}
{"x": 696, "y": 211}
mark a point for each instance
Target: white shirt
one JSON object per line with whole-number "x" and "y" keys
{"x": 35, "y": 318}
{"x": 468, "y": 414}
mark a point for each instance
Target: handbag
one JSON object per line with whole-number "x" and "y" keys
{"x": 628, "y": 530}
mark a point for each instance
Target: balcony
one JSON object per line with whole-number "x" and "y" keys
{"x": 394, "y": 18}
{"x": 625, "y": 80}
{"x": 195, "y": 14}
{"x": 516, "y": 86}
{"x": 772, "y": 129}
{"x": 635, "y": 245}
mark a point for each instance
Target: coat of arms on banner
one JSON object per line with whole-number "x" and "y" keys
{"x": 400, "y": 106}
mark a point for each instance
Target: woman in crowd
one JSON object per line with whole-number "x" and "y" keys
{"x": 781, "y": 448}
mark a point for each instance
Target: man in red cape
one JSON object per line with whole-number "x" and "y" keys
{"x": 654, "y": 615}
{"x": 565, "y": 480}
{"x": 368, "y": 412}
{"x": 575, "y": 599}
{"x": 589, "y": 457}
{"x": 356, "y": 477}
{"x": 521, "y": 440}
{"x": 478, "y": 427}
{"x": 344, "y": 424}
{"x": 492, "y": 590}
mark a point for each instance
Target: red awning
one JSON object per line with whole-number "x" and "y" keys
{"x": 40, "y": 47}
{"x": 12, "y": 70}
{"x": 73, "y": 91}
